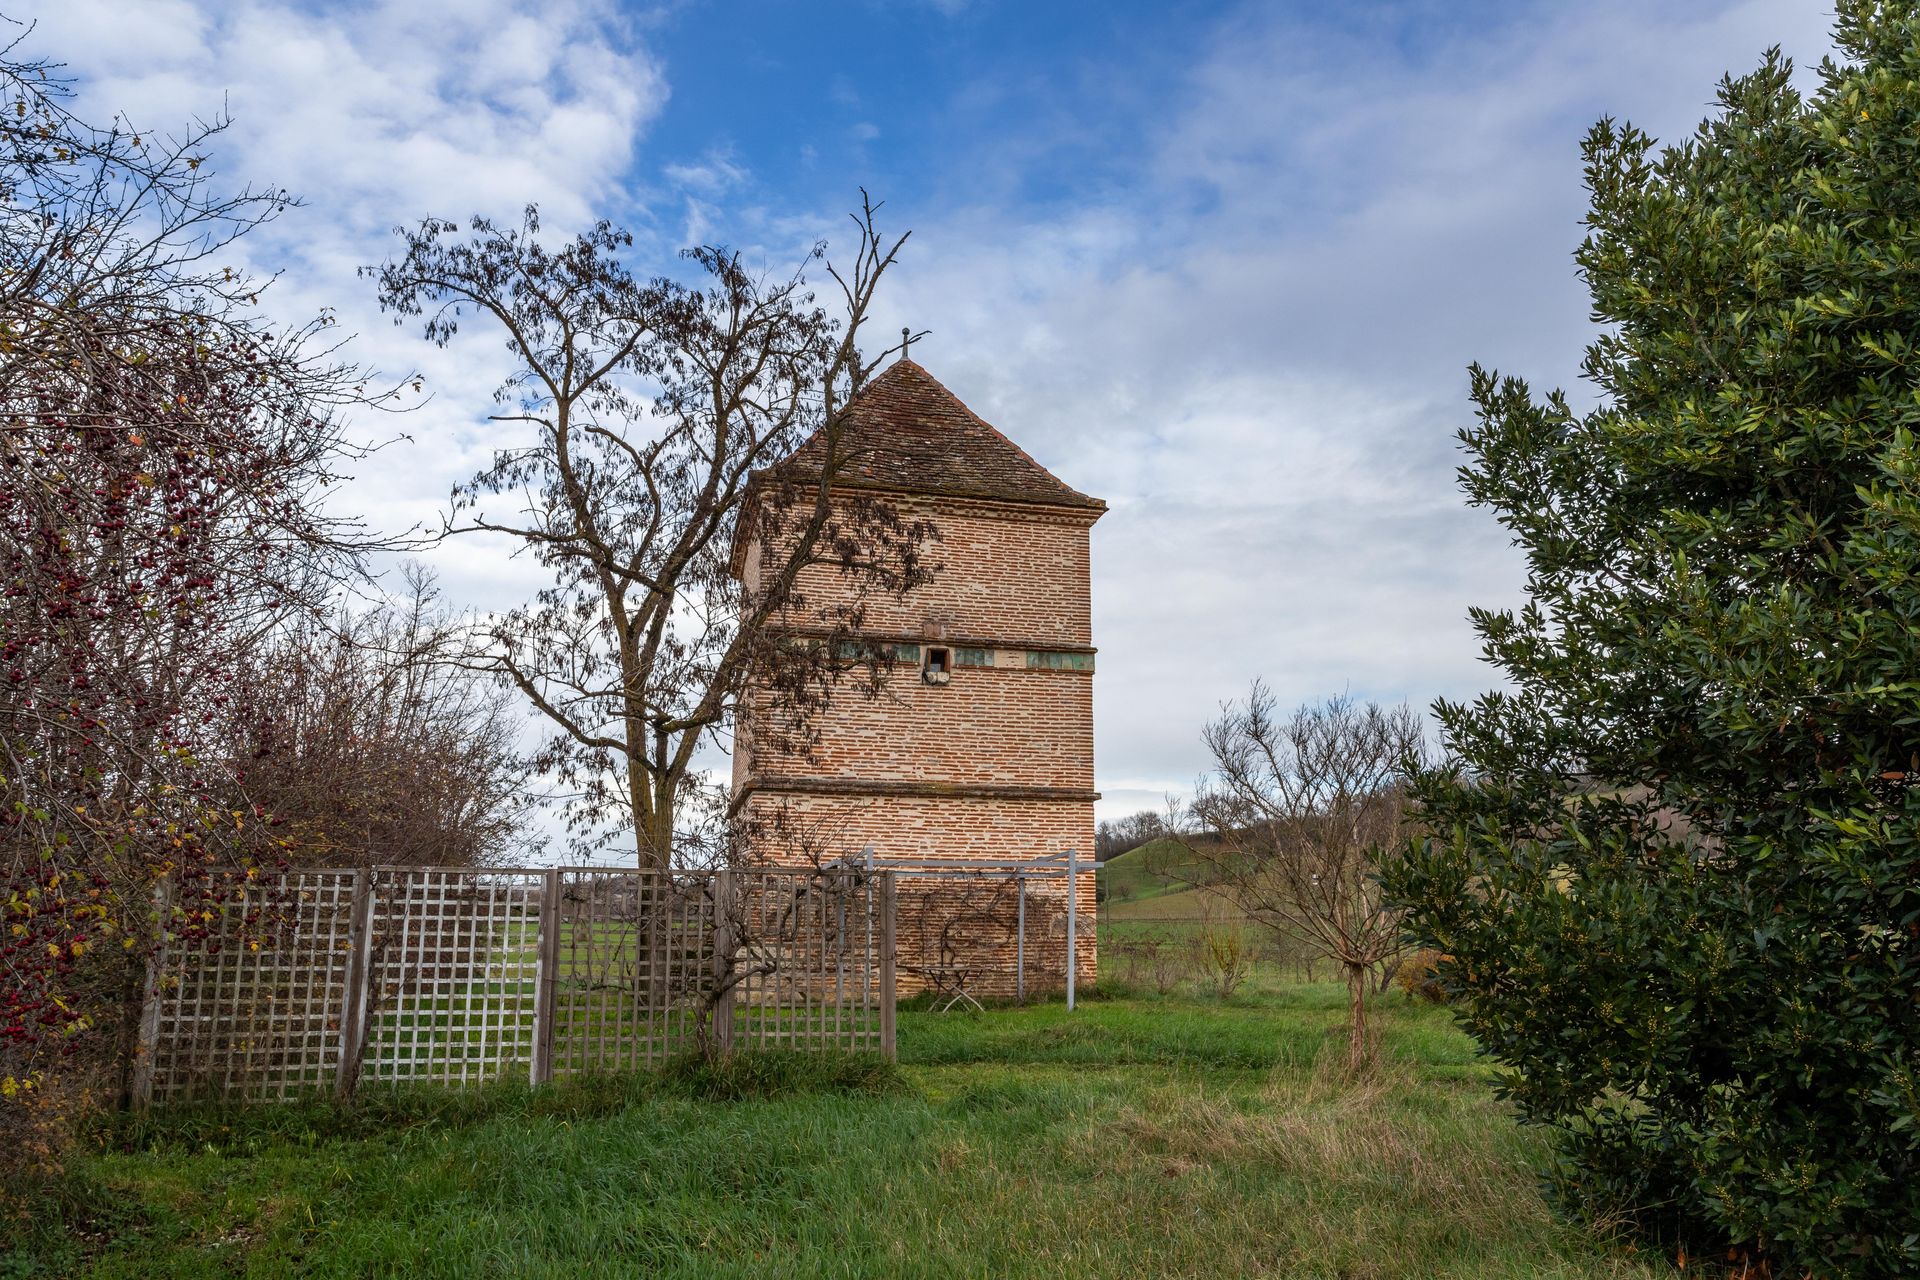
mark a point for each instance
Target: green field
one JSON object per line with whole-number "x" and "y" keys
{"x": 1155, "y": 898}
{"x": 1183, "y": 1136}
{"x": 1159, "y": 881}
{"x": 1153, "y": 870}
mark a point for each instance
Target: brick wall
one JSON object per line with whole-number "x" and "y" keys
{"x": 1006, "y": 572}
{"x": 986, "y": 725}
{"x": 957, "y": 828}
{"x": 997, "y": 763}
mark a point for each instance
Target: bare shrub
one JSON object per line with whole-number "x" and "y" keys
{"x": 1225, "y": 954}
{"x": 1127, "y": 956}
{"x": 1168, "y": 963}
{"x": 368, "y": 746}
{"x": 1156, "y": 959}
{"x": 1300, "y": 807}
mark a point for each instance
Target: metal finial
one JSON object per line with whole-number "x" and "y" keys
{"x": 906, "y": 340}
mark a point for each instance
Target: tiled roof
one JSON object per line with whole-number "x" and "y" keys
{"x": 905, "y": 433}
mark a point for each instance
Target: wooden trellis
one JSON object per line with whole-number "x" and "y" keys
{"x": 345, "y": 979}
{"x": 255, "y": 1004}
{"x": 452, "y": 972}
{"x": 971, "y": 927}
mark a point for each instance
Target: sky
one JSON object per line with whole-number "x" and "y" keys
{"x": 1221, "y": 264}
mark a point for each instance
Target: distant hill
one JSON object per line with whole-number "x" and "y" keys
{"x": 1138, "y": 872}
{"x": 1156, "y": 868}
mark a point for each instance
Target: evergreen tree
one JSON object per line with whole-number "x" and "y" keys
{"x": 1675, "y": 865}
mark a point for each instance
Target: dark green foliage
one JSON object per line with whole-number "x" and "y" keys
{"x": 1676, "y": 863}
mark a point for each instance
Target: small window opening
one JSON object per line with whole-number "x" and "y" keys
{"x": 939, "y": 665}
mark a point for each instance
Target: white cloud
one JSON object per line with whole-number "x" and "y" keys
{"x": 717, "y": 173}
{"x": 1258, "y": 353}
{"x": 378, "y": 114}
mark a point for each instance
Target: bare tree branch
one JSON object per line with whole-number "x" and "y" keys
{"x": 657, "y": 411}
{"x": 1300, "y": 809}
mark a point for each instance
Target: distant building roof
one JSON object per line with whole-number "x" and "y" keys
{"x": 906, "y": 433}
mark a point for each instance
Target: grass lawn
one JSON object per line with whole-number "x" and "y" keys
{"x": 1138, "y": 1136}
{"x": 1170, "y": 905}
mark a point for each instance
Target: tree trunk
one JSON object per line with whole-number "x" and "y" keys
{"x": 1357, "y": 1044}
{"x": 132, "y": 1005}
{"x": 652, "y": 809}
{"x": 653, "y": 850}
{"x": 1387, "y": 972}
{"x": 653, "y": 840}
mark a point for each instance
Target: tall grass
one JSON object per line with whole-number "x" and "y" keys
{"x": 1185, "y": 1136}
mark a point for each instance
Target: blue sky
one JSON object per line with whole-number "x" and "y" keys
{"x": 1222, "y": 264}
{"x": 1040, "y": 105}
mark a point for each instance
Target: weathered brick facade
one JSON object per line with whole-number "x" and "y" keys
{"x": 996, "y": 761}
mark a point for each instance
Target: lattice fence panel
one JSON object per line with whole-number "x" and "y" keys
{"x": 806, "y": 956}
{"x": 254, "y": 1006}
{"x": 635, "y": 968}
{"x": 453, "y": 969}
{"x": 457, "y": 976}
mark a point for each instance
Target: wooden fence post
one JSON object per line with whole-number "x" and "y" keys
{"x": 149, "y": 1042}
{"x": 546, "y": 972}
{"x": 723, "y": 946}
{"x": 887, "y": 966}
{"x": 866, "y": 858}
{"x": 353, "y": 1012}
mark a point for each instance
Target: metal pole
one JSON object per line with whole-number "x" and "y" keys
{"x": 1020, "y": 943}
{"x": 1073, "y": 926}
{"x": 887, "y": 979}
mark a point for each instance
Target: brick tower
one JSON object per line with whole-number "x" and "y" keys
{"x": 981, "y": 746}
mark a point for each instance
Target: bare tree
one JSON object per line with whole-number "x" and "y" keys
{"x": 1300, "y": 809}
{"x": 367, "y": 745}
{"x": 648, "y": 417}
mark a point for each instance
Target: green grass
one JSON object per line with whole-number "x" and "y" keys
{"x": 1183, "y": 1136}
{"x": 1194, "y": 904}
{"x": 1160, "y": 881}
{"x": 1123, "y": 933}
{"x": 1148, "y": 871}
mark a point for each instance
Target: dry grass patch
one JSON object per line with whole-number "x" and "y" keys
{"x": 1378, "y": 1168}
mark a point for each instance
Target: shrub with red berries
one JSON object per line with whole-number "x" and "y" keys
{"x": 161, "y": 453}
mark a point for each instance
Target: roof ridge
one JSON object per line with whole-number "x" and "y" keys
{"x": 915, "y": 366}
{"x": 903, "y": 438}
